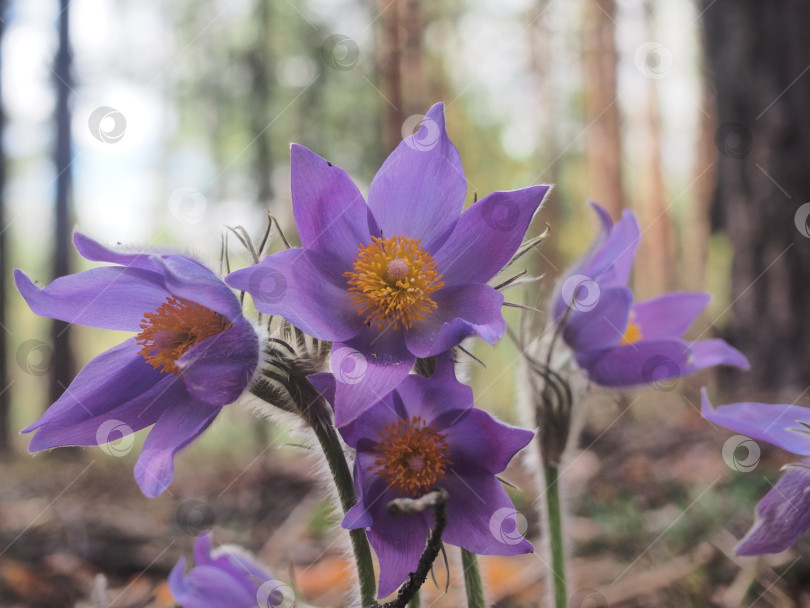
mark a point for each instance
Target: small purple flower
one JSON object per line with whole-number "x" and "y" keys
{"x": 427, "y": 434}
{"x": 226, "y": 577}
{"x": 194, "y": 352}
{"x": 403, "y": 276}
{"x": 783, "y": 514}
{"x": 622, "y": 343}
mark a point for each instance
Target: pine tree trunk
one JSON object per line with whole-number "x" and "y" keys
{"x": 759, "y": 55}
{"x": 604, "y": 152}
{"x": 62, "y": 367}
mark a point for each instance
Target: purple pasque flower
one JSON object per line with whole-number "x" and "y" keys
{"x": 783, "y": 514}
{"x": 427, "y": 434}
{"x": 226, "y": 577}
{"x": 401, "y": 277}
{"x": 193, "y": 353}
{"x": 623, "y": 343}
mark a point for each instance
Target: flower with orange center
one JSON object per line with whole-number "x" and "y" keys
{"x": 423, "y": 435}
{"x": 392, "y": 281}
{"x": 632, "y": 333}
{"x": 403, "y": 276}
{"x": 193, "y": 353}
{"x": 171, "y": 330}
{"x": 411, "y": 456}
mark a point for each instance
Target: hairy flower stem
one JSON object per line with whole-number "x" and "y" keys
{"x": 333, "y": 451}
{"x": 554, "y": 533}
{"x": 472, "y": 580}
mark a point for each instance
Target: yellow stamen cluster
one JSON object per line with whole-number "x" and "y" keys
{"x": 392, "y": 281}
{"x": 632, "y": 332}
{"x": 411, "y": 457}
{"x": 176, "y": 326}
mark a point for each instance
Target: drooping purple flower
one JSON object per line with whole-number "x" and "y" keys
{"x": 225, "y": 577}
{"x": 193, "y": 353}
{"x": 783, "y": 514}
{"x": 403, "y": 276}
{"x": 427, "y": 434}
{"x": 622, "y": 343}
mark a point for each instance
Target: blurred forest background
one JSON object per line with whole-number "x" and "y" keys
{"x": 161, "y": 123}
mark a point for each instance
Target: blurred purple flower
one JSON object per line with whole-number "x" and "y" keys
{"x": 194, "y": 353}
{"x": 225, "y": 577}
{"x": 783, "y": 514}
{"x": 402, "y": 277}
{"x": 427, "y": 434}
{"x": 622, "y": 343}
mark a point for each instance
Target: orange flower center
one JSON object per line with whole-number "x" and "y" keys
{"x": 632, "y": 333}
{"x": 176, "y": 326}
{"x": 411, "y": 456}
{"x": 392, "y": 281}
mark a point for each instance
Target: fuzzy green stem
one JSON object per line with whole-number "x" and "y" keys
{"x": 472, "y": 580}
{"x": 332, "y": 450}
{"x": 555, "y": 535}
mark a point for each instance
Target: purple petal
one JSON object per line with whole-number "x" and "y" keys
{"x": 670, "y": 315}
{"x": 117, "y": 385}
{"x": 294, "y": 284}
{"x": 364, "y": 431}
{"x": 480, "y": 442}
{"x": 600, "y": 326}
{"x": 366, "y": 371}
{"x": 108, "y": 298}
{"x": 440, "y": 400}
{"x": 708, "y": 353}
{"x": 419, "y": 191}
{"x": 782, "y": 425}
{"x": 637, "y": 364}
{"x": 190, "y": 280}
{"x": 609, "y": 260}
{"x": 217, "y": 370}
{"x": 495, "y": 224}
{"x": 462, "y": 311}
{"x": 96, "y": 252}
{"x": 398, "y": 541}
{"x": 330, "y": 213}
{"x": 615, "y": 257}
{"x": 782, "y": 515}
{"x": 203, "y": 546}
{"x": 210, "y": 587}
{"x": 481, "y": 517}
{"x": 179, "y": 425}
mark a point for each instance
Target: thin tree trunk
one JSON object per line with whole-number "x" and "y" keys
{"x": 413, "y": 77}
{"x": 604, "y": 152}
{"x": 698, "y": 232}
{"x": 759, "y": 56}
{"x": 62, "y": 367}
{"x": 5, "y": 380}
{"x": 390, "y": 74}
{"x": 656, "y": 263}
{"x": 260, "y": 65}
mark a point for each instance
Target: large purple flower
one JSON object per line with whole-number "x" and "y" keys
{"x": 194, "y": 352}
{"x": 783, "y": 514}
{"x": 225, "y": 577}
{"x": 426, "y": 434}
{"x": 622, "y": 343}
{"x": 402, "y": 277}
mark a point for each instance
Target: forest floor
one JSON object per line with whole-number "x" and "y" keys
{"x": 655, "y": 515}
